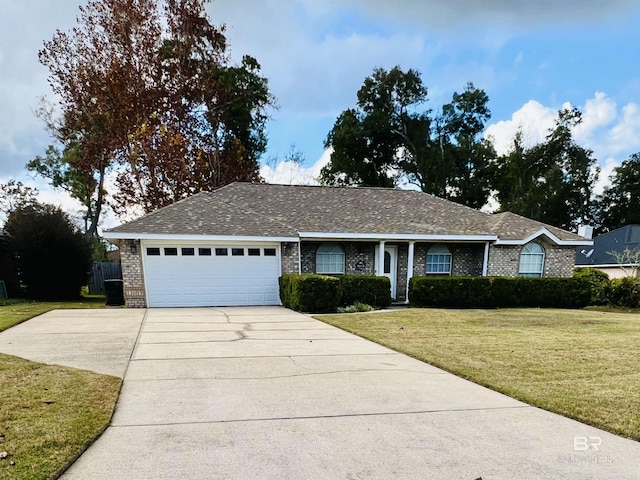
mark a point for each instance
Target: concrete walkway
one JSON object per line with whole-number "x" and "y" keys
{"x": 263, "y": 392}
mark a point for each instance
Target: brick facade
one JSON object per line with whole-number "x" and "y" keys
{"x": 360, "y": 259}
{"x": 466, "y": 259}
{"x": 132, "y": 274}
{"x": 356, "y": 255}
{"x": 504, "y": 260}
{"x": 290, "y": 259}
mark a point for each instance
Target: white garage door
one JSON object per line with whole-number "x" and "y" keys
{"x": 188, "y": 275}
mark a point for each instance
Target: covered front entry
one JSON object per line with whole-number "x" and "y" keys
{"x": 205, "y": 274}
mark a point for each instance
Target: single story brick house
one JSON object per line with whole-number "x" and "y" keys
{"x": 228, "y": 247}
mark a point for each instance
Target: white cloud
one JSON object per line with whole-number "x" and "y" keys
{"x": 597, "y": 112}
{"x": 625, "y": 135}
{"x": 605, "y": 129}
{"x": 611, "y": 134}
{"x": 533, "y": 119}
{"x": 288, "y": 172}
{"x": 606, "y": 169}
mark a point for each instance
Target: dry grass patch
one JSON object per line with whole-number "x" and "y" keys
{"x": 48, "y": 414}
{"x": 581, "y": 364}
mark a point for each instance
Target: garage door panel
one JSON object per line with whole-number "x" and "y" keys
{"x": 213, "y": 280}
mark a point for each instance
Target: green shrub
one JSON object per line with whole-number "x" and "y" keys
{"x": 624, "y": 292}
{"x": 598, "y": 281}
{"x": 367, "y": 289}
{"x": 310, "y": 293}
{"x": 540, "y": 292}
{"x": 456, "y": 292}
{"x": 494, "y": 292}
{"x": 53, "y": 257}
{"x": 8, "y": 267}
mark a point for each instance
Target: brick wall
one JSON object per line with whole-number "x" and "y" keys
{"x": 504, "y": 260}
{"x": 290, "y": 259}
{"x": 354, "y": 252}
{"x": 465, "y": 259}
{"x": 132, "y": 274}
{"x": 559, "y": 261}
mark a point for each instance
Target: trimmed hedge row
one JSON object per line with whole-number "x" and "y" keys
{"x": 368, "y": 289}
{"x": 310, "y": 293}
{"x": 322, "y": 293}
{"x": 495, "y": 292}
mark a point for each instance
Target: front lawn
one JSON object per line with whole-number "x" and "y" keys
{"x": 48, "y": 414}
{"x": 13, "y": 312}
{"x": 581, "y": 364}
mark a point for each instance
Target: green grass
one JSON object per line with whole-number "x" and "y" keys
{"x": 582, "y": 364}
{"x": 13, "y": 312}
{"x": 48, "y": 414}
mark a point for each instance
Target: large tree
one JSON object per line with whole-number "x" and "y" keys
{"x": 390, "y": 137}
{"x": 552, "y": 181}
{"x": 471, "y": 155}
{"x": 147, "y": 88}
{"x": 620, "y": 201}
{"x": 366, "y": 141}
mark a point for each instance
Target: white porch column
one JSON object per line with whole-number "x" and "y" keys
{"x": 412, "y": 245}
{"x": 380, "y": 271}
{"x": 485, "y": 259}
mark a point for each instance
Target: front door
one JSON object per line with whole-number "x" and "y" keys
{"x": 390, "y": 267}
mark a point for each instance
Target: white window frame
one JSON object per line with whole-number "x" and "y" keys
{"x": 439, "y": 255}
{"x": 330, "y": 259}
{"x": 532, "y": 257}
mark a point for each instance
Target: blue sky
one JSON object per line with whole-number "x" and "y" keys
{"x": 531, "y": 57}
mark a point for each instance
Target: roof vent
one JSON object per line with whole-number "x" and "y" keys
{"x": 585, "y": 231}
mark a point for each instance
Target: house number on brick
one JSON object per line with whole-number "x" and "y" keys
{"x": 360, "y": 266}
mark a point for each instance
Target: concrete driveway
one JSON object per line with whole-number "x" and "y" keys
{"x": 263, "y": 392}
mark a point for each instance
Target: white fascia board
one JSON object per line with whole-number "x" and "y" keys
{"x": 549, "y": 235}
{"x": 396, "y": 236}
{"x": 186, "y": 238}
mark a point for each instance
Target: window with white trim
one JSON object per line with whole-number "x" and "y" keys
{"x": 531, "y": 260}
{"x": 439, "y": 260}
{"x": 330, "y": 259}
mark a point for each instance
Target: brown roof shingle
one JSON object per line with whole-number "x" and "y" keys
{"x": 267, "y": 210}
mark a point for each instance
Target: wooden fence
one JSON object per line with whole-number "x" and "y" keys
{"x": 99, "y": 273}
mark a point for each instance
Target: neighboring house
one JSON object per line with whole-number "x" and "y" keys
{"x": 228, "y": 247}
{"x": 617, "y": 242}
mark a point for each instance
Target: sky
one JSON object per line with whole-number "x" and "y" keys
{"x": 532, "y": 57}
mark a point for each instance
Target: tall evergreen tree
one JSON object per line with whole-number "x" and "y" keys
{"x": 620, "y": 202}
{"x": 552, "y": 181}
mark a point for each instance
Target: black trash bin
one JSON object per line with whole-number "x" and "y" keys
{"x": 114, "y": 292}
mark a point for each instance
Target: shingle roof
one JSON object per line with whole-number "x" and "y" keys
{"x": 245, "y": 209}
{"x": 614, "y": 241}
